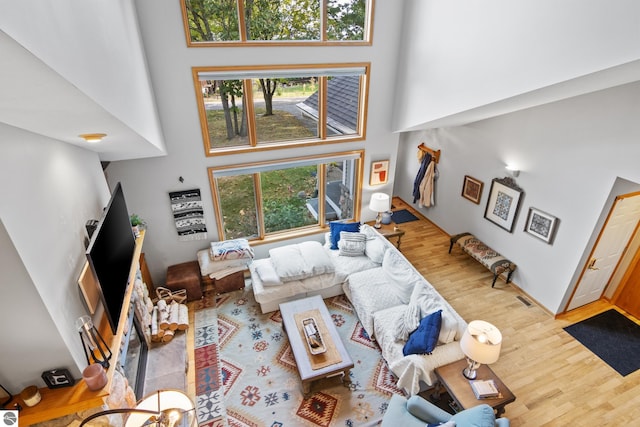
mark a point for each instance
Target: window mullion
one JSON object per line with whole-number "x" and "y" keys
{"x": 249, "y": 110}
{"x": 242, "y": 28}
{"x": 217, "y": 205}
{"x": 322, "y": 172}
{"x": 324, "y": 4}
{"x": 322, "y": 108}
{"x": 257, "y": 183}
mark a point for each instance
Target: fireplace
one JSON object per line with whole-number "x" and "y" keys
{"x": 133, "y": 357}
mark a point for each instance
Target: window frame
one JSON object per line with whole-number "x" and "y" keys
{"x": 249, "y": 108}
{"x": 323, "y": 224}
{"x": 367, "y": 41}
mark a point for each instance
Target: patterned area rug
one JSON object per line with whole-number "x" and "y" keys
{"x": 246, "y": 374}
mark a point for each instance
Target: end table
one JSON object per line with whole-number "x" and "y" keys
{"x": 451, "y": 379}
{"x": 390, "y": 231}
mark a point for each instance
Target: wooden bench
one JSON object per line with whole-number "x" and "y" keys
{"x": 491, "y": 259}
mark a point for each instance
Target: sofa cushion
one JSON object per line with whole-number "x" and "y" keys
{"x": 400, "y": 273}
{"x": 351, "y": 244}
{"x": 300, "y": 261}
{"x": 478, "y": 416}
{"x": 375, "y": 249}
{"x": 336, "y": 227}
{"x": 425, "y": 300}
{"x": 369, "y": 292}
{"x": 424, "y": 339}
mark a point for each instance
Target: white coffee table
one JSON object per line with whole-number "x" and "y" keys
{"x": 313, "y": 378}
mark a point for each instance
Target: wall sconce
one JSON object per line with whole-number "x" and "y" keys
{"x": 95, "y": 348}
{"x": 512, "y": 170}
{"x": 93, "y": 137}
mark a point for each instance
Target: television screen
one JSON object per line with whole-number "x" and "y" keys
{"x": 110, "y": 254}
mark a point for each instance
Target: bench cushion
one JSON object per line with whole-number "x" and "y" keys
{"x": 484, "y": 254}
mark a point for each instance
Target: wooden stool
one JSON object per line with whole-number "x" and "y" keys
{"x": 185, "y": 276}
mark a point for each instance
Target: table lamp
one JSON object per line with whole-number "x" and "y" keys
{"x": 481, "y": 343}
{"x": 380, "y": 202}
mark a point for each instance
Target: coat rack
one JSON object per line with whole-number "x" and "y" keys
{"x": 435, "y": 154}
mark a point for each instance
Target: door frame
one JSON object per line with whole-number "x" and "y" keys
{"x": 593, "y": 249}
{"x": 630, "y": 268}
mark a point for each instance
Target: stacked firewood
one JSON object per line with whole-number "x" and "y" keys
{"x": 168, "y": 317}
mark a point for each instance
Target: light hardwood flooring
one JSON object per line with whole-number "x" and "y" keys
{"x": 557, "y": 381}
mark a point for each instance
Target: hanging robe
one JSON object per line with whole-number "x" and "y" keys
{"x": 426, "y": 186}
{"x": 426, "y": 160}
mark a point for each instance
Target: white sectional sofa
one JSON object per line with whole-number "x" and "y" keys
{"x": 389, "y": 295}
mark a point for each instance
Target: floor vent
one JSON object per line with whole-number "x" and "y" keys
{"x": 524, "y": 301}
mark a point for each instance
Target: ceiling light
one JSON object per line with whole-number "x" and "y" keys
{"x": 93, "y": 137}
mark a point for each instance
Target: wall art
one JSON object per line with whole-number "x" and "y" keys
{"x": 503, "y": 203}
{"x": 379, "y": 172}
{"x": 188, "y": 214}
{"x": 541, "y": 224}
{"x": 472, "y": 189}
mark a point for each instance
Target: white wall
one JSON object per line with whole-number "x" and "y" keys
{"x": 148, "y": 181}
{"x": 49, "y": 190}
{"x": 458, "y": 56}
{"x": 571, "y": 154}
{"x": 96, "y": 46}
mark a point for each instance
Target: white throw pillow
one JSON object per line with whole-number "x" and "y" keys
{"x": 351, "y": 244}
{"x": 268, "y": 274}
{"x": 375, "y": 249}
{"x": 399, "y": 271}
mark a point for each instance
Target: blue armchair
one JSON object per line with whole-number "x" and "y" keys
{"x": 418, "y": 412}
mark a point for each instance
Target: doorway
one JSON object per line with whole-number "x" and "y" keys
{"x": 610, "y": 246}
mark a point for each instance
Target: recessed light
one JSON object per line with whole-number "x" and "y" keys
{"x": 93, "y": 137}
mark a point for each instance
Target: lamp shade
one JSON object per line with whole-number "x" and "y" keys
{"x": 380, "y": 202}
{"x": 481, "y": 342}
{"x": 175, "y": 404}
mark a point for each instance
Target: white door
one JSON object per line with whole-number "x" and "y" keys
{"x": 609, "y": 248}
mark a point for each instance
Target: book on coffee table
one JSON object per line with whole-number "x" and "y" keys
{"x": 484, "y": 389}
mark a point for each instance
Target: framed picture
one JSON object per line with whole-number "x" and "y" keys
{"x": 503, "y": 203}
{"x": 541, "y": 224}
{"x": 379, "y": 172}
{"x": 472, "y": 189}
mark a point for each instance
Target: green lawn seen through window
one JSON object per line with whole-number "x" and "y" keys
{"x": 270, "y": 128}
{"x": 284, "y": 192}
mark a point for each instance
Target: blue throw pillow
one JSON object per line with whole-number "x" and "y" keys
{"x": 424, "y": 339}
{"x": 335, "y": 229}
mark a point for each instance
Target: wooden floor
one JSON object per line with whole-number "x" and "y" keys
{"x": 557, "y": 382}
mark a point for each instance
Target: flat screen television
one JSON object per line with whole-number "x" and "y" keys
{"x": 110, "y": 254}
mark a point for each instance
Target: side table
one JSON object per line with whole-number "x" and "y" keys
{"x": 451, "y": 379}
{"x": 390, "y": 231}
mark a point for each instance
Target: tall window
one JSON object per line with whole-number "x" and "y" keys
{"x": 269, "y": 200}
{"x": 255, "y": 108}
{"x": 251, "y": 22}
